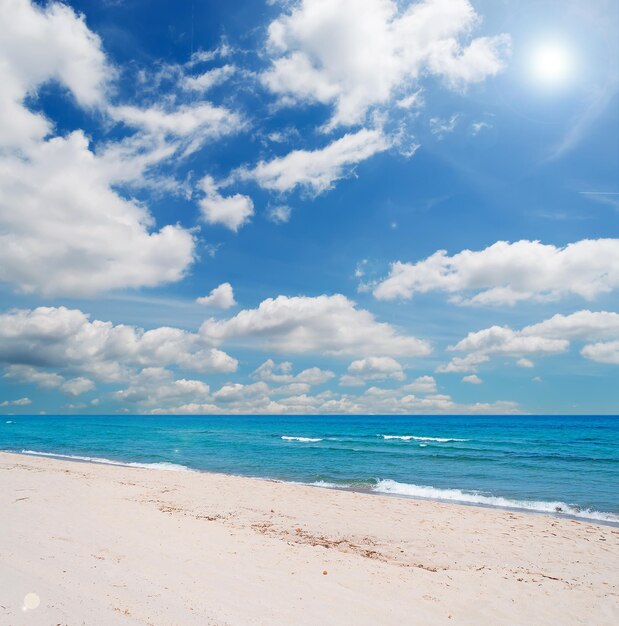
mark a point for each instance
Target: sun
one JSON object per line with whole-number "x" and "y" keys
{"x": 551, "y": 64}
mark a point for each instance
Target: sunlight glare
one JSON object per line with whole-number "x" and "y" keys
{"x": 551, "y": 64}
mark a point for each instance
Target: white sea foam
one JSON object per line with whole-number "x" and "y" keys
{"x": 324, "y": 483}
{"x": 472, "y": 497}
{"x": 170, "y": 467}
{"x": 302, "y": 439}
{"x": 415, "y": 438}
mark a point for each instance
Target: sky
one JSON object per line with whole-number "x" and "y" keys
{"x": 307, "y": 206}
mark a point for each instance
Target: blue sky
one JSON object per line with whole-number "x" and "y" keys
{"x": 309, "y": 207}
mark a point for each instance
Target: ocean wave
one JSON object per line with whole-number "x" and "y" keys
{"x": 170, "y": 467}
{"x": 302, "y": 439}
{"x": 415, "y": 438}
{"x": 9, "y": 422}
{"x": 472, "y": 497}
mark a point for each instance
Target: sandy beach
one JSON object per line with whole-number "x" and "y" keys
{"x": 100, "y": 544}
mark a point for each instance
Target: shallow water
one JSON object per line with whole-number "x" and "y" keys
{"x": 560, "y": 463}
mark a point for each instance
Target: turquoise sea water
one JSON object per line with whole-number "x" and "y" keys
{"x": 561, "y": 464}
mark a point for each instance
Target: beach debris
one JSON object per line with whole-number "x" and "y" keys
{"x": 324, "y": 572}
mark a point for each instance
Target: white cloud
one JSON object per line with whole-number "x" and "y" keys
{"x": 73, "y": 234}
{"x": 422, "y": 384}
{"x": 316, "y": 170}
{"x": 78, "y": 386}
{"x": 323, "y": 324}
{"x": 441, "y": 127}
{"x": 29, "y": 374}
{"x": 458, "y": 364}
{"x": 504, "y": 340}
{"x": 206, "y": 80}
{"x": 64, "y": 228}
{"x": 360, "y": 269}
{"x": 506, "y": 273}
{"x": 232, "y": 392}
{"x": 279, "y": 214}
{"x": 552, "y": 336}
{"x": 602, "y": 352}
{"x": 477, "y": 127}
{"x": 65, "y": 339}
{"x": 222, "y": 297}
{"x": 373, "y": 368}
{"x": 155, "y": 386}
{"x": 269, "y": 371}
{"x": 586, "y": 325}
{"x": 472, "y": 379}
{"x": 38, "y": 44}
{"x": 258, "y": 398}
{"x": 202, "y": 120}
{"x": 191, "y": 408}
{"x": 357, "y": 54}
{"x": 525, "y": 363}
{"x": 19, "y": 402}
{"x": 411, "y": 101}
{"x": 351, "y": 381}
{"x": 233, "y": 212}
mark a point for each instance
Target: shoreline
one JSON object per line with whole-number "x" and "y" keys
{"x": 109, "y": 544}
{"x": 596, "y": 517}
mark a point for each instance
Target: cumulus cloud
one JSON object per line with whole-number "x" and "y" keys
{"x": 259, "y": 398}
{"x": 18, "y": 402}
{"x": 506, "y": 273}
{"x": 603, "y": 352}
{"x": 156, "y": 386}
{"x": 372, "y": 368}
{"x": 78, "y": 386}
{"x": 29, "y": 374}
{"x": 422, "y": 384}
{"x": 322, "y": 324}
{"x": 222, "y": 297}
{"x": 233, "y": 212}
{"x": 280, "y": 373}
{"x": 73, "y": 234}
{"x": 66, "y": 339}
{"x": 316, "y": 170}
{"x": 552, "y": 336}
{"x": 357, "y": 54}
{"x": 472, "y": 379}
{"x": 232, "y": 392}
{"x": 525, "y": 363}
{"x": 38, "y": 44}
{"x": 469, "y": 363}
{"x": 275, "y": 389}
{"x": 64, "y": 228}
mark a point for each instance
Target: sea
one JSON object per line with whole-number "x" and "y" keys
{"x": 562, "y": 465}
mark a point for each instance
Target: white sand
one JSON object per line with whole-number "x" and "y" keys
{"x": 113, "y": 545}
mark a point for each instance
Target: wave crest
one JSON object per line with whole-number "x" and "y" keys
{"x": 301, "y": 439}
{"x": 415, "y": 438}
{"x": 170, "y": 467}
{"x": 472, "y": 497}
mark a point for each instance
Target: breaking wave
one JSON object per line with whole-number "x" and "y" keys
{"x": 170, "y": 467}
{"x": 415, "y": 438}
{"x": 395, "y": 488}
{"x": 302, "y": 439}
{"x": 472, "y": 497}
